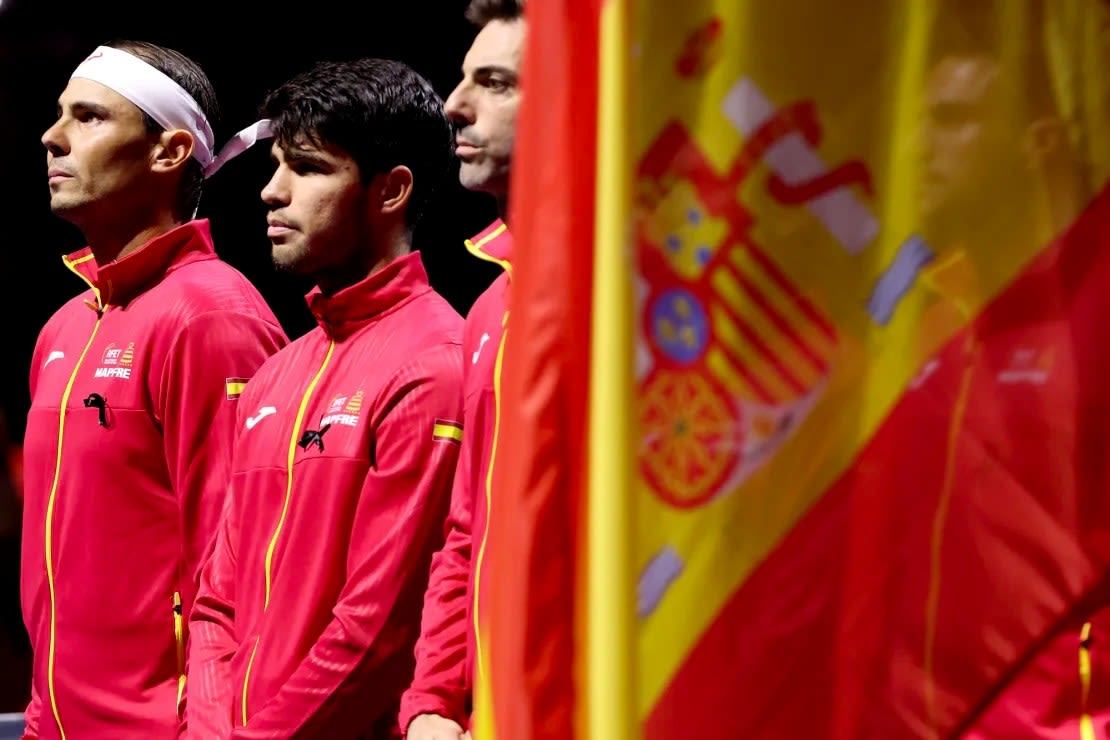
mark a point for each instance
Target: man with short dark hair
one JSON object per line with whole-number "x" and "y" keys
{"x": 310, "y": 604}
{"x": 134, "y": 385}
{"x": 483, "y": 108}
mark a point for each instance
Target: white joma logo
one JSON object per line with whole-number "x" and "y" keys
{"x": 481, "y": 343}
{"x": 55, "y": 355}
{"x": 262, "y": 414}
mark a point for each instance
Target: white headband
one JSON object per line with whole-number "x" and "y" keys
{"x": 166, "y": 102}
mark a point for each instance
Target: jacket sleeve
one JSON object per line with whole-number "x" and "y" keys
{"x": 212, "y": 644}
{"x": 356, "y": 668}
{"x": 211, "y": 357}
{"x": 31, "y": 716}
{"x": 440, "y": 685}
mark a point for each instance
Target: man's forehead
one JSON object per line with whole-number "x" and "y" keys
{"x": 498, "y": 44}
{"x": 303, "y": 146}
{"x": 80, "y": 91}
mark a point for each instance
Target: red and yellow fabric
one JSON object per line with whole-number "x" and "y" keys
{"x": 535, "y": 536}
{"x": 805, "y": 431}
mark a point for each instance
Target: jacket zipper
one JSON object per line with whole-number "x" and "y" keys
{"x": 481, "y": 680}
{"x": 289, "y": 459}
{"x": 51, "y": 503}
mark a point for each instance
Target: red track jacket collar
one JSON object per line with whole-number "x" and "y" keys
{"x": 347, "y": 311}
{"x": 493, "y": 244}
{"x": 121, "y": 280}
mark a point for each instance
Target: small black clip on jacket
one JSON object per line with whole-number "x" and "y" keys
{"x": 314, "y": 437}
{"x": 101, "y": 404}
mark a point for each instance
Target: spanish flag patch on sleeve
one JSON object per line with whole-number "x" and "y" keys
{"x": 235, "y": 387}
{"x": 446, "y": 430}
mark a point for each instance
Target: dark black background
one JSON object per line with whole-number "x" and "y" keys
{"x": 246, "y": 49}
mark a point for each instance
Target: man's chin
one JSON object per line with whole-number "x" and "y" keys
{"x": 62, "y": 207}
{"x": 287, "y": 259}
{"x": 482, "y": 177}
{"x": 473, "y": 177}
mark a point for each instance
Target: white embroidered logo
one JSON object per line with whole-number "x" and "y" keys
{"x": 481, "y": 343}
{"x": 1028, "y": 365}
{"x": 262, "y": 414}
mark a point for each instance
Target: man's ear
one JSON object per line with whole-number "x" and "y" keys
{"x": 172, "y": 150}
{"x": 394, "y": 190}
{"x": 1045, "y": 139}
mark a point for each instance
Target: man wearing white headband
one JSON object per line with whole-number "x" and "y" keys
{"x": 133, "y": 398}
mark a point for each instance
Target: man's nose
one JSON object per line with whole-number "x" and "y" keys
{"x": 458, "y": 107}
{"x": 53, "y": 139}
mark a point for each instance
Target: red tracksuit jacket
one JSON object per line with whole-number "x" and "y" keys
{"x": 446, "y": 654}
{"x": 999, "y": 453}
{"x": 345, "y": 450}
{"x": 133, "y": 394}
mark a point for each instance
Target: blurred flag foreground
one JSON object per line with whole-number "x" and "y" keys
{"x": 804, "y": 419}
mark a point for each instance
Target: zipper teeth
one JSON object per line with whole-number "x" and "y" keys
{"x": 49, "y": 528}
{"x": 290, "y": 456}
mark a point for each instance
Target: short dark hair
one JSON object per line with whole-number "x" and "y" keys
{"x": 189, "y": 75}
{"x": 379, "y": 111}
{"x": 481, "y": 12}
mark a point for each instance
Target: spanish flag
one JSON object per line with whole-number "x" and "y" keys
{"x": 806, "y": 393}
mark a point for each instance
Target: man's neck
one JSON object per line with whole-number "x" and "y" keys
{"x": 110, "y": 241}
{"x": 375, "y": 258}
{"x": 398, "y": 245}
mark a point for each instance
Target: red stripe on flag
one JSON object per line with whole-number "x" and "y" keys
{"x": 749, "y": 377}
{"x": 762, "y": 348}
{"x": 788, "y": 288}
{"x": 777, "y": 319}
